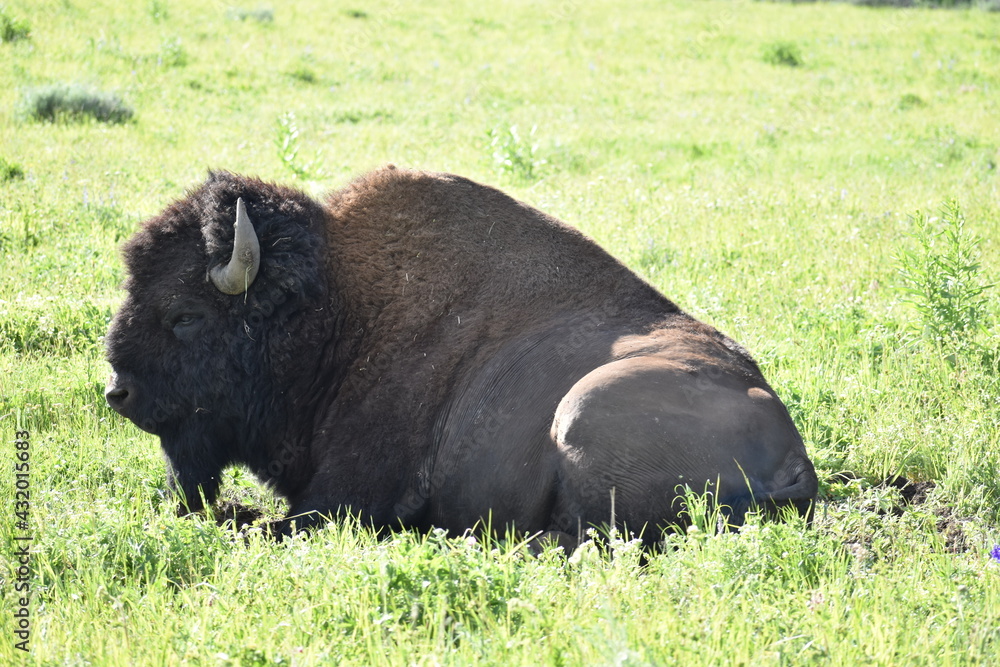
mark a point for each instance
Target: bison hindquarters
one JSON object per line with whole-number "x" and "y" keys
{"x": 643, "y": 428}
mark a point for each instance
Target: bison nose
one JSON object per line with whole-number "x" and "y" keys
{"x": 118, "y": 394}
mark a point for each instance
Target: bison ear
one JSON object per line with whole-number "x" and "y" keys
{"x": 237, "y": 276}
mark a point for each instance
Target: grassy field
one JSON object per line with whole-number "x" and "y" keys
{"x": 819, "y": 181}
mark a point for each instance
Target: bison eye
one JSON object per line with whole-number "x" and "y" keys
{"x": 186, "y": 325}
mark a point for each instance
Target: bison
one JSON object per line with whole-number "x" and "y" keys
{"x": 422, "y": 351}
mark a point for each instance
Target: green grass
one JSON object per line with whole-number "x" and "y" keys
{"x": 776, "y": 202}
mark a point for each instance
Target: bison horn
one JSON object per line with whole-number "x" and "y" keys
{"x": 237, "y": 276}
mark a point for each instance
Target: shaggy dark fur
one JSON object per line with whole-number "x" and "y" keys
{"x": 423, "y": 350}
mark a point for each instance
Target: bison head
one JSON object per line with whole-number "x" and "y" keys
{"x": 220, "y": 326}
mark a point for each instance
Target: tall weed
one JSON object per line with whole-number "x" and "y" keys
{"x": 12, "y": 29}
{"x": 10, "y": 171}
{"x": 941, "y": 278}
{"x": 287, "y": 142}
{"x": 516, "y": 156}
{"x": 786, "y": 54}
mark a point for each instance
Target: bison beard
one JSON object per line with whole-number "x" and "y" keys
{"x": 422, "y": 350}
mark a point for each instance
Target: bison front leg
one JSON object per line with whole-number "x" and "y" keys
{"x": 192, "y": 486}
{"x": 633, "y": 434}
